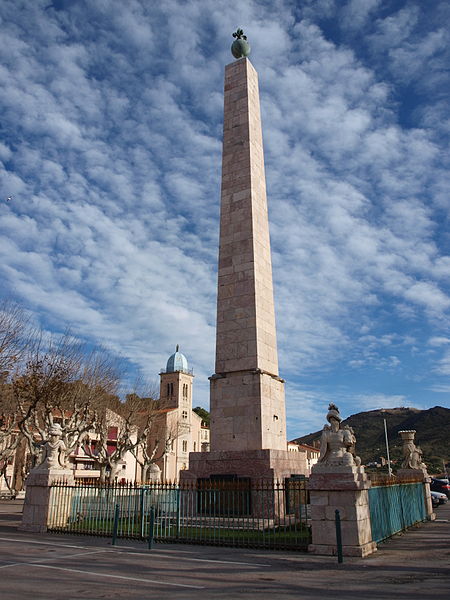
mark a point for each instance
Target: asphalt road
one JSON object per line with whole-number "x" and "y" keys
{"x": 412, "y": 565}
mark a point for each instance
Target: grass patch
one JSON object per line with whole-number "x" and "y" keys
{"x": 167, "y": 531}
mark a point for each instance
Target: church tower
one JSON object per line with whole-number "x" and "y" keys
{"x": 175, "y": 389}
{"x": 180, "y": 423}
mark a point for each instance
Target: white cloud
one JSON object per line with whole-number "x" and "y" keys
{"x": 442, "y": 366}
{"x": 438, "y": 341}
{"x": 357, "y": 12}
{"x": 366, "y": 402}
{"x": 112, "y": 115}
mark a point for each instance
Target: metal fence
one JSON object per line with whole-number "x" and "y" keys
{"x": 232, "y": 513}
{"x": 395, "y": 507}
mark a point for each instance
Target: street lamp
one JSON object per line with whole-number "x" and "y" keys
{"x": 387, "y": 449}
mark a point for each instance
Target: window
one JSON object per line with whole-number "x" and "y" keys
{"x": 113, "y": 433}
{"x": 184, "y": 414}
{"x": 184, "y": 446}
{"x": 170, "y": 389}
{"x": 195, "y": 446}
{"x": 111, "y": 447}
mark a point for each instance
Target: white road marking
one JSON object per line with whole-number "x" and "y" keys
{"x": 25, "y": 541}
{"x": 134, "y": 579}
{"x": 65, "y": 557}
{"x": 211, "y": 560}
{"x": 10, "y": 565}
{"x": 123, "y": 550}
{"x": 42, "y": 560}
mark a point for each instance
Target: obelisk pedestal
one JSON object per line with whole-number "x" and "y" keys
{"x": 248, "y": 421}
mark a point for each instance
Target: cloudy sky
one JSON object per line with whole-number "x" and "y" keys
{"x": 110, "y": 150}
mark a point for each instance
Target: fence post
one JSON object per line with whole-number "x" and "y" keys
{"x": 151, "y": 533}
{"x": 116, "y": 524}
{"x": 338, "y": 535}
{"x": 178, "y": 512}
{"x": 141, "y": 509}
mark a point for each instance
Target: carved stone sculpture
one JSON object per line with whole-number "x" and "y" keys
{"x": 351, "y": 448}
{"x": 338, "y": 482}
{"x": 154, "y": 473}
{"x": 38, "y": 510}
{"x": 412, "y": 454}
{"x": 53, "y": 451}
{"x": 336, "y": 442}
{"x": 240, "y": 47}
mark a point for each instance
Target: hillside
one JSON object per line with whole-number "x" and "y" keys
{"x": 432, "y": 427}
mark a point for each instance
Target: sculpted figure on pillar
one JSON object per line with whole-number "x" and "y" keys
{"x": 154, "y": 473}
{"x": 337, "y": 442}
{"x": 54, "y": 450}
{"x": 352, "y": 448}
{"x": 412, "y": 454}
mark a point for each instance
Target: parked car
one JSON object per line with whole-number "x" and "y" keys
{"x": 440, "y": 485}
{"x": 437, "y": 498}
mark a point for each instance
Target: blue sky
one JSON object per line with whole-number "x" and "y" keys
{"x": 111, "y": 123}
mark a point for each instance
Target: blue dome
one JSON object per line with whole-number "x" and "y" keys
{"x": 177, "y": 362}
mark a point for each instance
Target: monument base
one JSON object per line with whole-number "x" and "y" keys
{"x": 358, "y": 551}
{"x": 413, "y": 474}
{"x": 258, "y": 478}
{"x": 37, "y": 509}
{"x": 269, "y": 465}
{"x": 342, "y": 488}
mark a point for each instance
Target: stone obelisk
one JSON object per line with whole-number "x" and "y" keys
{"x": 247, "y": 395}
{"x": 248, "y": 422}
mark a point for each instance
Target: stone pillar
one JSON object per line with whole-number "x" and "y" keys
{"x": 415, "y": 469}
{"x": 345, "y": 488}
{"x": 339, "y": 482}
{"x": 248, "y": 415}
{"x": 39, "y": 509}
{"x": 247, "y": 395}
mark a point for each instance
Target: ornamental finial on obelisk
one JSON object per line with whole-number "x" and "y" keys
{"x": 240, "y": 48}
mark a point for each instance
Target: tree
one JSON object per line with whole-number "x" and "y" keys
{"x": 119, "y": 429}
{"x": 47, "y": 379}
{"x": 203, "y": 414}
{"x": 60, "y": 382}
{"x": 14, "y": 334}
{"x": 161, "y": 435}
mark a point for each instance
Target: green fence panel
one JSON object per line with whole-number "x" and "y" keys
{"x": 393, "y": 508}
{"x": 213, "y": 512}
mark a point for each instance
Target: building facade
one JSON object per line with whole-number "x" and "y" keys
{"x": 182, "y": 429}
{"x": 176, "y": 430}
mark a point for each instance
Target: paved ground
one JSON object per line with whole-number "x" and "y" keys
{"x": 414, "y": 565}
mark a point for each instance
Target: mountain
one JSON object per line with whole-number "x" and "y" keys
{"x": 432, "y": 434}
